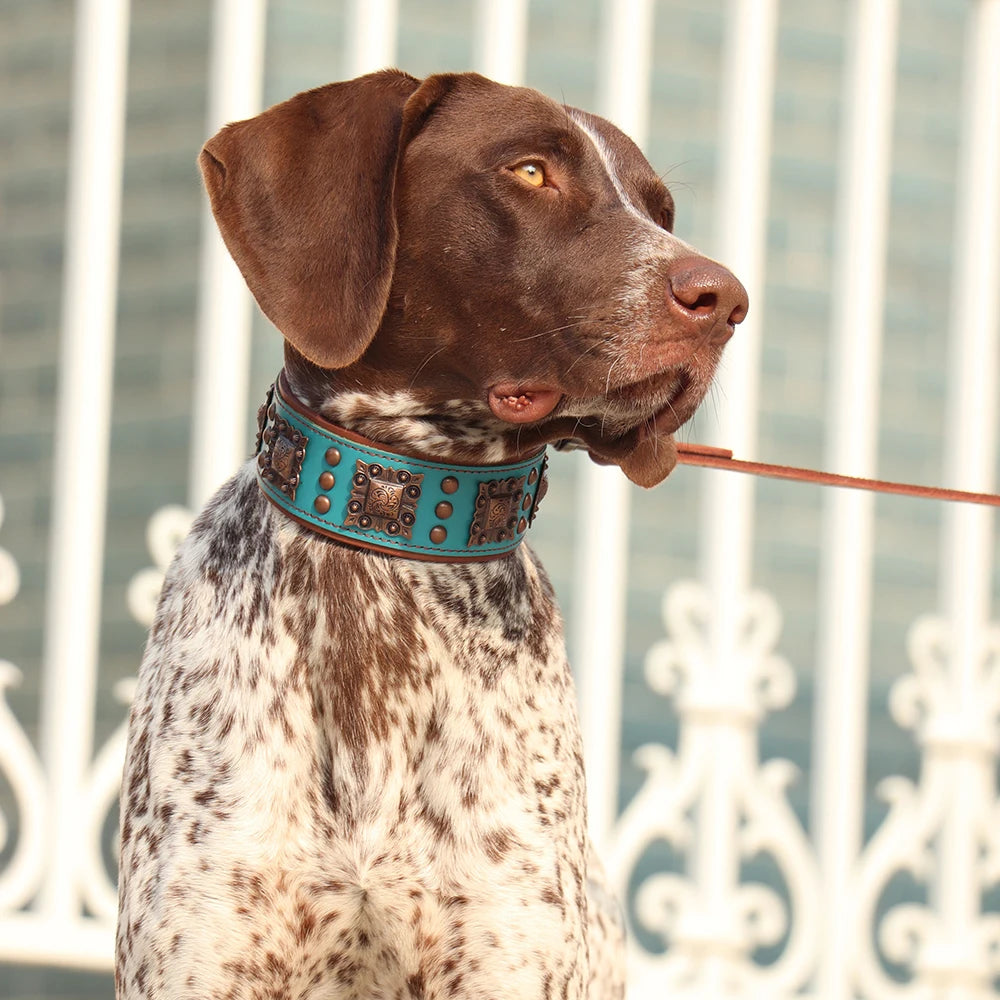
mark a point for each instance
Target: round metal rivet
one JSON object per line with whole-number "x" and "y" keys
{"x": 322, "y": 504}
{"x": 365, "y": 521}
{"x": 332, "y": 456}
{"x": 444, "y": 510}
{"x": 533, "y": 478}
{"x": 449, "y": 485}
{"x": 438, "y": 534}
{"x": 522, "y": 524}
{"x": 326, "y": 481}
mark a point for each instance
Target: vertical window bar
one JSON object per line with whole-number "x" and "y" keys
{"x": 741, "y": 216}
{"x": 225, "y": 309}
{"x": 83, "y": 416}
{"x": 371, "y": 36}
{"x": 727, "y": 531}
{"x": 602, "y": 528}
{"x": 968, "y": 535}
{"x": 846, "y": 562}
{"x": 501, "y": 40}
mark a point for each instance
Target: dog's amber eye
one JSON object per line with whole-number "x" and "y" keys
{"x": 530, "y": 172}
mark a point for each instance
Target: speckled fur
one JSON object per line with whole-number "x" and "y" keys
{"x": 358, "y": 777}
{"x": 353, "y": 776}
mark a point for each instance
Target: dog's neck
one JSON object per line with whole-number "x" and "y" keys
{"x": 453, "y": 424}
{"x": 343, "y": 486}
{"x": 409, "y": 420}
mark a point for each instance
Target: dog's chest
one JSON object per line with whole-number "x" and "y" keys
{"x": 392, "y": 744}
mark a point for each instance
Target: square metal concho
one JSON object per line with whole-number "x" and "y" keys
{"x": 283, "y": 451}
{"x": 384, "y": 499}
{"x": 497, "y": 509}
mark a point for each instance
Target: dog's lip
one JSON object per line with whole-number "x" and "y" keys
{"x": 520, "y": 403}
{"x": 668, "y": 399}
{"x": 667, "y": 385}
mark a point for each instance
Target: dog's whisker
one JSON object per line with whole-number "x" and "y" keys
{"x": 582, "y": 355}
{"x": 423, "y": 364}
{"x": 607, "y": 381}
{"x": 555, "y": 329}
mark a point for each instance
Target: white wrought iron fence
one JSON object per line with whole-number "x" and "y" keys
{"x": 710, "y": 797}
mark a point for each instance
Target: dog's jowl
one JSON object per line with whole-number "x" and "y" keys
{"x": 354, "y": 765}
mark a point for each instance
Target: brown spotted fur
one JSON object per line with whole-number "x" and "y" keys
{"x": 358, "y": 776}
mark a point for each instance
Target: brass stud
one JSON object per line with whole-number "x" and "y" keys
{"x": 438, "y": 534}
{"x": 527, "y": 502}
{"x": 449, "y": 485}
{"x": 444, "y": 510}
{"x": 522, "y": 524}
{"x": 332, "y": 456}
{"x": 533, "y": 477}
{"x": 322, "y": 504}
{"x": 326, "y": 481}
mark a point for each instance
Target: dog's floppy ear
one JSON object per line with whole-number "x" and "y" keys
{"x": 303, "y": 196}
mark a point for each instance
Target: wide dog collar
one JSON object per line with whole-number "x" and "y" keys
{"x": 341, "y": 485}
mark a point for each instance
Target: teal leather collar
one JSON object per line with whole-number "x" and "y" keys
{"x": 341, "y": 485}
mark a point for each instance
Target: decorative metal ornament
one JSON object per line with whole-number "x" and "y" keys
{"x": 543, "y": 488}
{"x": 384, "y": 499}
{"x": 281, "y": 460}
{"x": 715, "y": 921}
{"x": 497, "y": 509}
{"x": 264, "y": 411}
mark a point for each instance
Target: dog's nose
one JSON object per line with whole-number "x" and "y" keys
{"x": 707, "y": 298}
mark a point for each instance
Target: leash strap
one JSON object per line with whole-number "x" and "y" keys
{"x": 721, "y": 458}
{"x": 343, "y": 486}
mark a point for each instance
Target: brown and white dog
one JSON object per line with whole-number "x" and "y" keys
{"x": 357, "y": 775}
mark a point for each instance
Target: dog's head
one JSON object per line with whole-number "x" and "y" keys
{"x": 455, "y": 246}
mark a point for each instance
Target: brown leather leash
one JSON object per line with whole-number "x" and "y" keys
{"x": 721, "y": 458}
